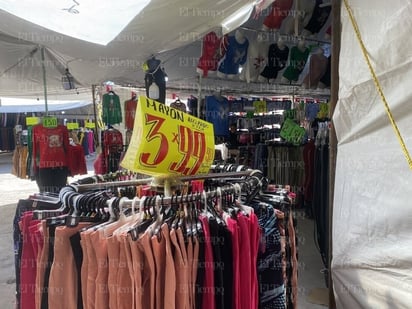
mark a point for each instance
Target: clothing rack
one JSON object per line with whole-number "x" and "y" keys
{"x": 217, "y": 171}
{"x": 254, "y": 181}
{"x": 236, "y": 209}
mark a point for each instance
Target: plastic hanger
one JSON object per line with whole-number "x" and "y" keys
{"x": 159, "y": 217}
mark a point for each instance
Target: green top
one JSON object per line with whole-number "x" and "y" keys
{"x": 112, "y": 111}
{"x": 296, "y": 63}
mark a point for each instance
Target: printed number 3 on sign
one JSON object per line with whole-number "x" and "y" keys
{"x": 167, "y": 141}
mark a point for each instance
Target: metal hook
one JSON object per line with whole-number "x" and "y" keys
{"x": 142, "y": 206}
{"x": 134, "y": 204}
{"x": 219, "y": 198}
{"x": 204, "y": 195}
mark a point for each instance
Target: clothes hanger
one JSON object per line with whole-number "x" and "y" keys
{"x": 156, "y": 228}
{"x": 48, "y": 213}
{"x": 147, "y": 219}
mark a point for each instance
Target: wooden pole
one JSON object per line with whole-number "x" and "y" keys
{"x": 336, "y": 37}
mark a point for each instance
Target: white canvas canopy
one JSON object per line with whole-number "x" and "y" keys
{"x": 161, "y": 26}
{"x": 11, "y": 105}
{"x": 372, "y": 215}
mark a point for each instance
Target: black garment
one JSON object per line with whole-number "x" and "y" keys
{"x": 78, "y": 258}
{"x": 227, "y": 259}
{"x": 223, "y": 263}
{"x": 277, "y": 59}
{"x": 192, "y": 105}
{"x": 261, "y": 158}
{"x": 113, "y": 161}
{"x": 232, "y": 141}
{"x": 52, "y": 179}
{"x": 309, "y": 161}
{"x": 326, "y": 77}
{"x": 156, "y": 75}
{"x": 320, "y": 200}
{"x": 179, "y": 106}
{"x": 319, "y": 17}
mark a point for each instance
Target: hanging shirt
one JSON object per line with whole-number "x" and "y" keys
{"x": 297, "y": 62}
{"x": 277, "y": 59}
{"x": 245, "y": 262}
{"x": 112, "y": 112}
{"x": 319, "y": 17}
{"x": 280, "y": 10}
{"x": 210, "y": 57}
{"x": 76, "y": 160}
{"x": 326, "y": 77}
{"x": 192, "y": 105}
{"x": 256, "y": 59}
{"x": 270, "y": 261}
{"x": 235, "y": 55}
{"x": 311, "y": 111}
{"x": 50, "y": 146}
{"x": 233, "y": 228}
{"x": 130, "y": 111}
{"x": 318, "y": 64}
{"x": 208, "y": 287}
{"x": 179, "y": 106}
{"x": 217, "y": 110}
{"x": 155, "y": 77}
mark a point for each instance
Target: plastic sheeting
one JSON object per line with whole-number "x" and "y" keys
{"x": 372, "y": 215}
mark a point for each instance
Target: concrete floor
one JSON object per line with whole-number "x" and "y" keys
{"x": 12, "y": 189}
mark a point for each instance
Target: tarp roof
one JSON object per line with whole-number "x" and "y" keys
{"x": 162, "y": 26}
{"x": 28, "y": 106}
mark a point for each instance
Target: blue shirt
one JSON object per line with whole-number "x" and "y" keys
{"x": 217, "y": 112}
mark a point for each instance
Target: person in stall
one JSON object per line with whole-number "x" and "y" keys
{"x": 232, "y": 143}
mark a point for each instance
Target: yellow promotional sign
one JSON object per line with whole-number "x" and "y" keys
{"x": 72, "y": 125}
{"x": 32, "y": 121}
{"x": 90, "y": 125}
{"x": 168, "y": 142}
{"x": 260, "y": 107}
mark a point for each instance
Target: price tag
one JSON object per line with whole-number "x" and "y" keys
{"x": 72, "y": 125}
{"x": 260, "y": 106}
{"x": 90, "y": 125}
{"x": 323, "y": 110}
{"x": 167, "y": 142}
{"x": 291, "y": 132}
{"x": 50, "y": 122}
{"x": 32, "y": 121}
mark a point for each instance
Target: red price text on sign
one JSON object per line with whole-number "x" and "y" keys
{"x": 191, "y": 145}
{"x": 166, "y": 141}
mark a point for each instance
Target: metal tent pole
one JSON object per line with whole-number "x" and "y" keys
{"x": 199, "y": 94}
{"x": 336, "y": 41}
{"x": 44, "y": 79}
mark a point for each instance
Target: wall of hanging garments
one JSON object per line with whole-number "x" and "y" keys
{"x": 317, "y": 187}
{"x": 221, "y": 240}
{"x": 48, "y": 155}
{"x": 276, "y": 53}
{"x": 7, "y": 132}
{"x": 112, "y": 149}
